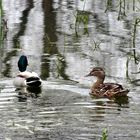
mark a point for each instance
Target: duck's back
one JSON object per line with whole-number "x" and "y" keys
{"x": 110, "y": 86}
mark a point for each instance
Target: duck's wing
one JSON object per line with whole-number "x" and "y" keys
{"x": 113, "y": 89}
{"x": 33, "y": 81}
{"x": 112, "y": 86}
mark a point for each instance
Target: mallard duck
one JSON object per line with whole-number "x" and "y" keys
{"x": 101, "y": 89}
{"x": 25, "y": 78}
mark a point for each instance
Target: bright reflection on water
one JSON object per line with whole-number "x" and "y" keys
{"x": 63, "y": 40}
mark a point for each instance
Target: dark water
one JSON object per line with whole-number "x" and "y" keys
{"x": 63, "y": 40}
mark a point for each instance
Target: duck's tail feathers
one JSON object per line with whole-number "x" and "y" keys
{"x": 33, "y": 81}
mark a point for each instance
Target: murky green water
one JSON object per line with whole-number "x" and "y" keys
{"x": 63, "y": 40}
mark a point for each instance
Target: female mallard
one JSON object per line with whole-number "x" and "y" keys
{"x": 25, "y": 78}
{"x": 101, "y": 89}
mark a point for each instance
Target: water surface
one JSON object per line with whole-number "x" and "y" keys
{"x": 63, "y": 41}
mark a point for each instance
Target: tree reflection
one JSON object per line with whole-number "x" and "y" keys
{"x": 122, "y": 6}
{"x": 50, "y": 47}
{"x": 133, "y": 55}
{"x": 16, "y": 44}
{"x": 108, "y": 5}
{"x": 81, "y": 18}
{"x": 24, "y": 20}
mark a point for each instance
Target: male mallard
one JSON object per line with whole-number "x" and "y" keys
{"x": 25, "y": 78}
{"x": 101, "y": 89}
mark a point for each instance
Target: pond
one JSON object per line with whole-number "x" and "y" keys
{"x": 63, "y": 41}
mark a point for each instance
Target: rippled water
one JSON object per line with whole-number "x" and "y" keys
{"x": 63, "y": 40}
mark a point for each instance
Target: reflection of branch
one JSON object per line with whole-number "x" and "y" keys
{"x": 1, "y": 34}
{"x": 137, "y": 21}
{"x": 96, "y": 45}
{"x": 47, "y": 37}
{"x": 133, "y": 5}
{"x": 1, "y": 25}
{"x": 84, "y": 5}
{"x": 24, "y": 20}
{"x": 133, "y": 81}
{"x": 61, "y": 66}
{"x": 81, "y": 17}
{"x": 122, "y": 6}
{"x": 127, "y": 69}
{"x": 135, "y": 72}
{"x": 121, "y": 9}
{"x": 108, "y": 5}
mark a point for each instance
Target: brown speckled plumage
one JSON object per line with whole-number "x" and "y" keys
{"x": 101, "y": 89}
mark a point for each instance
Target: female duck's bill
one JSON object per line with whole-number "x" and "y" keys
{"x": 25, "y": 78}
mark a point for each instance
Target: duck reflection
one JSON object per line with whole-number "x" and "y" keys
{"x": 120, "y": 100}
{"x": 124, "y": 100}
{"x": 116, "y": 103}
{"x": 28, "y": 92}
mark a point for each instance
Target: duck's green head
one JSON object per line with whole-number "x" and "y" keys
{"x": 22, "y": 63}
